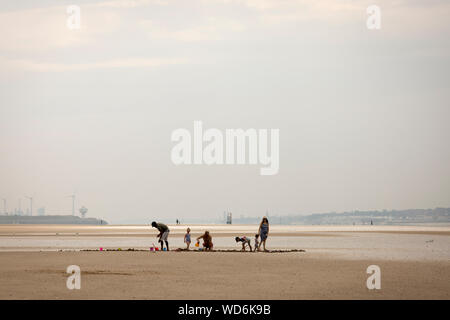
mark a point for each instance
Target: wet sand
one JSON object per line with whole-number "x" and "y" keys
{"x": 218, "y": 230}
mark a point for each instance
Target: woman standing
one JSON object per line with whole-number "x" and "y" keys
{"x": 263, "y": 232}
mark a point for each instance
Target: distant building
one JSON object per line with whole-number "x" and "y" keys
{"x": 229, "y": 218}
{"x": 66, "y": 219}
{"x": 41, "y": 211}
{"x": 83, "y": 211}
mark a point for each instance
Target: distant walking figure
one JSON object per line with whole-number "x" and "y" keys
{"x": 263, "y": 232}
{"x": 163, "y": 233}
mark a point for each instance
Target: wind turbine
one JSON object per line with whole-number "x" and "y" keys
{"x": 31, "y": 204}
{"x": 73, "y": 203}
{"x": 4, "y": 206}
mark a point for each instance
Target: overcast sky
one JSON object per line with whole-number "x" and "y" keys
{"x": 363, "y": 114}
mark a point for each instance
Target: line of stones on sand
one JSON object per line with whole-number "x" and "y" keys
{"x": 184, "y": 250}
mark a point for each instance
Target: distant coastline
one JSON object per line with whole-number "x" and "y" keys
{"x": 66, "y": 219}
{"x": 408, "y": 217}
{"x": 434, "y": 216}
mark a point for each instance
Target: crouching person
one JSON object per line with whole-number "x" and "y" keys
{"x": 207, "y": 241}
{"x": 245, "y": 242}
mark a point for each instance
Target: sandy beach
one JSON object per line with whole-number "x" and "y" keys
{"x": 414, "y": 263}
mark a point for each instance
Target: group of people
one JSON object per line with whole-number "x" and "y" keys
{"x": 262, "y": 234}
{"x": 260, "y": 237}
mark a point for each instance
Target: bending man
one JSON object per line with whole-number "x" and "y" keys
{"x": 163, "y": 233}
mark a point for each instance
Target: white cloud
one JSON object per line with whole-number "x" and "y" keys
{"x": 31, "y": 65}
{"x": 210, "y": 29}
{"x": 127, "y": 3}
{"x": 46, "y": 28}
{"x": 401, "y": 16}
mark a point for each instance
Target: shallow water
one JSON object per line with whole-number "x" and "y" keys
{"x": 351, "y": 245}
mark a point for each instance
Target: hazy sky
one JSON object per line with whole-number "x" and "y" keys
{"x": 363, "y": 114}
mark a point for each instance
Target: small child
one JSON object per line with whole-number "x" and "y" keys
{"x": 187, "y": 238}
{"x": 245, "y": 241}
{"x": 256, "y": 242}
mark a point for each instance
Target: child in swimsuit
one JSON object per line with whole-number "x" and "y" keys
{"x": 256, "y": 242}
{"x": 187, "y": 238}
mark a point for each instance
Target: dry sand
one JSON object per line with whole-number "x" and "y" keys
{"x": 197, "y": 275}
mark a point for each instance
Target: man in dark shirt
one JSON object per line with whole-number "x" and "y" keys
{"x": 163, "y": 233}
